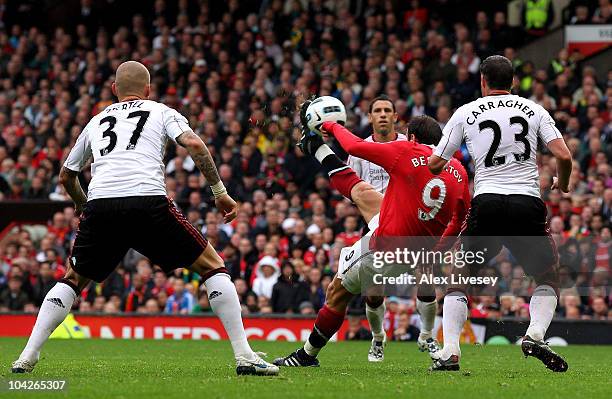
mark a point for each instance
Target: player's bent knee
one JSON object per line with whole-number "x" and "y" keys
{"x": 551, "y": 279}
{"x": 329, "y": 291}
{"x": 426, "y": 298}
{"x": 366, "y": 198}
{"x": 208, "y": 261}
{"x": 75, "y": 280}
{"x": 426, "y": 293}
{"x": 374, "y": 301}
{"x": 457, "y": 290}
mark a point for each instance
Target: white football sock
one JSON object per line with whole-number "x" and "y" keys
{"x": 541, "y": 311}
{"x": 53, "y": 310}
{"x": 323, "y": 152}
{"x": 376, "y": 317}
{"x": 224, "y": 302}
{"x": 454, "y": 316}
{"x": 428, "y": 311}
{"x": 311, "y": 350}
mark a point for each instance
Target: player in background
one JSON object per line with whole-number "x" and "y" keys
{"x": 501, "y": 131}
{"x": 400, "y": 160}
{"x": 127, "y": 207}
{"x": 382, "y": 117}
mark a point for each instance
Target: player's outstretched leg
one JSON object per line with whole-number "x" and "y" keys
{"x": 375, "y": 312}
{"x": 453, "y": 318}
{"x": 54, "y": 309}
{"x": 225, "y": 304}
{"x": 328, "y": 322}
{"x": 427, "y": 306}
{"x": 542, "y": 309}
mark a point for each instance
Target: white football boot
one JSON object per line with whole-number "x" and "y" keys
{"x": 376, "y": 354}
{"x": 254, "y": 366}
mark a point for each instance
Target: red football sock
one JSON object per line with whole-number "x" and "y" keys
{"x": 328, "y": 322}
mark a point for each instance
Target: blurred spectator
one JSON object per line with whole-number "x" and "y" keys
{"x": 267, "y": 273}
{"x": 356, "y": 331}
{"x": 43, "y": 283}
{"x": 603, "y": 13}
{"x": 13, "y": 298}
{"x": 537, "y": 16}
{"x": 203, "y": 305}
{"x": 138, "y": 294}
{"x": 405, "y": 331}
{"x": 306, "y": 308}
{"x": 181, "y": 301}
{"x": 288, "y": 293}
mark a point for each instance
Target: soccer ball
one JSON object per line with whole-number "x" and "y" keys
{"x": 325, "y": 109}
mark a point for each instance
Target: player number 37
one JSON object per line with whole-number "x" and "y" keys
{"x": 112, "y": 135}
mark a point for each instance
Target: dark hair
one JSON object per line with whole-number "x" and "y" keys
{"x": 426, "y": 129}
{"x": 382, "y": 97}
{"x": 498, "y": 72}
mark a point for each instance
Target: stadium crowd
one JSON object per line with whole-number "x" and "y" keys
{"x": 238, "y": 72}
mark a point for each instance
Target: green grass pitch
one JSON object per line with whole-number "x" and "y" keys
{"x": 205, "y": 369}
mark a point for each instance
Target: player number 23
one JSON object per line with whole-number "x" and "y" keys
{"x": 490, "y": 158}
{"x": 434, "y": 203}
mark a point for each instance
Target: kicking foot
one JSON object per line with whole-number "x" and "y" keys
{"x": 540, "y": 350}
{"x": 299, "y": 358}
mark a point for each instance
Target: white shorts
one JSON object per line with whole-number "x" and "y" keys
{"x": 353, "y": 259}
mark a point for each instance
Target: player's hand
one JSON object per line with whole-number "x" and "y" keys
{"x": 324, "y": 133}
{"x": 310, "y": 142}
{"x": 556, "y": 185}
{"x": 303, "y": 108}
{"x": 227, "y": 206}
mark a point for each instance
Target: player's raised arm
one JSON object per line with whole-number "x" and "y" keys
{"x": 205, "y": 163}
{"x": 383, "y": 154}
{"x": 69, "y": 175}
{"x": 177, "y": 128}
{"x": 452, "y": 136}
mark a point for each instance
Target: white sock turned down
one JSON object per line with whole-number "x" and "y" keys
{"x": 53, "y": 310}
{"x": 427, "y": 311}
{"x": 376, "y": 318}
{"x": 225, "y": 304}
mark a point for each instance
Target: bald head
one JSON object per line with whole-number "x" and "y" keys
{"x": 132, "y": 79}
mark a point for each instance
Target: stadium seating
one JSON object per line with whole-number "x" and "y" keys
{"x": 238, "y": 73}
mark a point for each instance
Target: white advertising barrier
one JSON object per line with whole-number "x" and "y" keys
{"x": 588, "y": 39}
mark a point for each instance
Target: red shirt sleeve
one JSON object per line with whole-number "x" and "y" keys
{"x": 383, "y": 154}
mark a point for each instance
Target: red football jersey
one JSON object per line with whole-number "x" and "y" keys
{"x": 416, "y": 202}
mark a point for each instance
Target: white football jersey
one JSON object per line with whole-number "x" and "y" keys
{"x": 127, "y": 141}
{"x": 369, "y": 172}
{"x": 501, "y": 133}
